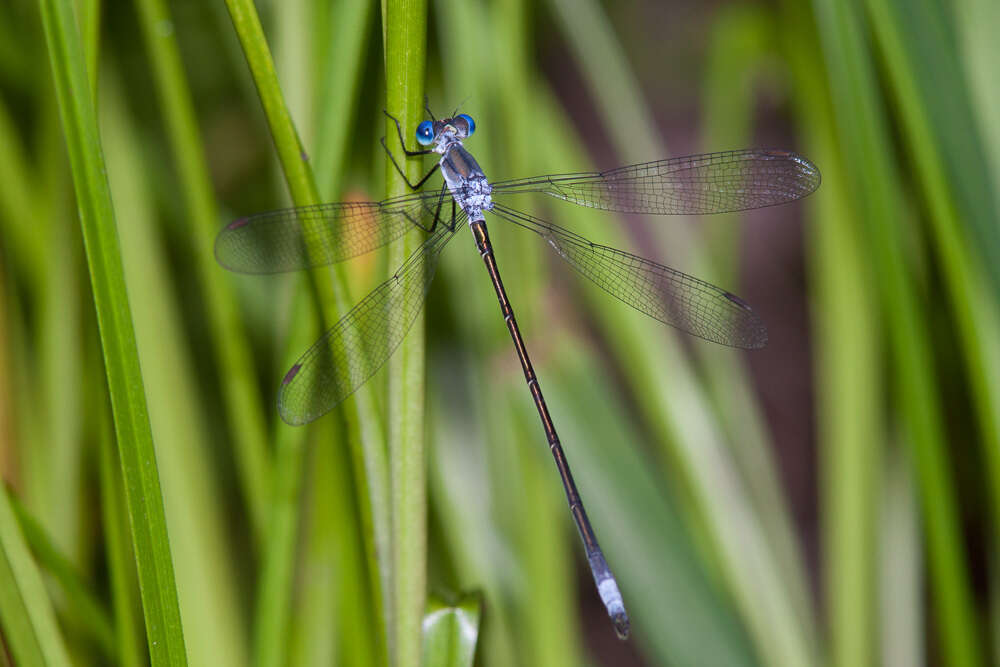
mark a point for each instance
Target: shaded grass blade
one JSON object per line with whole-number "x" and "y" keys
{"x": 363, "y": 422}
{"x": 207, "y": 587}
{"x": 933, "y": 104}
{"x": 30, "y": 631}
{"x": 864, "y": 139}
{"x": 846, "y": 347}
{"x": 242, "y": 399}
{"x": 135, "y": 441}
{"x": 84, "y": 611}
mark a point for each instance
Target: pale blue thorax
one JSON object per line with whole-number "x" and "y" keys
{"x": 465, "y": 178}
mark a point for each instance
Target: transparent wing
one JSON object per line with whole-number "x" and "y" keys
{"x": 693, "y": 185}
{"x": 665, "y": 294}
{"x": 307, "y": 236}
{"x": 347, "y": 355}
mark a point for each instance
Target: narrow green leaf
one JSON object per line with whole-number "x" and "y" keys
{"x": 846, "y": 349}
{"x": 135, "y": 441}
{"x": 243, "y": 403}
{"x": 692, "y": 437}
{"x": 29, "y": 624}
{"x": 451, "y": 632}
{"x": 208, "y": 591}
{"x": 364, "y": 431}
{"x": 121, "y": 564}
{"x": 84, "y": 610}
{"x": 938, "y": 124}
{"x": 864, "y": 137}
{"x": 404, "y": 30}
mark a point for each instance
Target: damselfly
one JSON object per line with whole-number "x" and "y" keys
{"x": 358, "y": 345}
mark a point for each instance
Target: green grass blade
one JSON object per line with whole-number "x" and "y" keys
{"x": 337, "y": 94}
{"x": 684, "y": 434}
{"x": 677, "y": 611}
{"x": 850, "y": 426}
{"x": 364, "y": 432}
{"x": 209, "y": 594}
{"x": 84, "y": 611}
{"x": 451, "y": 632}
{"x": 977, "y": 23}
{"x": 931, "y": 96}
{"x": 121, "y": 565}
{"x": 30, "y": 631}
{"x": 901, "y": 587}
{"x": 242, "y": 400}
{"x": 404, "y": 30}
{"x": 135, "y": 441}
{"x": 864, "y": 137}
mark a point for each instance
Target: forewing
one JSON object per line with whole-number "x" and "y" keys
{"x": 308, "y": 236}
{"x": 665, "y": 294}
{"x": 347, "y": 355}
{"x": 693, "y": 185}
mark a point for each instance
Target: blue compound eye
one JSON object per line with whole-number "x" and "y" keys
{"x": 425, "y": 133}
{"x": 472, "y": 124}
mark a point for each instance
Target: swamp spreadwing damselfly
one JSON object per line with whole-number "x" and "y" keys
{"x": 355, "y": 348}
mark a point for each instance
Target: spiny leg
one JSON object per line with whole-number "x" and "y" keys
{"x": 408, "y": 153}
{"x": 437, "y": 213}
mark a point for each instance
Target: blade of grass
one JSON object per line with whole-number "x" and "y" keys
{"x": 689, "y": 435}
{"x": 365, "y": 436}
{"x": 864, "y": 139}
{"x": 243, "y": 402}
{"x": 208, "y": 591}
{"x": 743, "y": 64}
{"x": 848, "y": 375}
{"x": 678, "y": 613}
{"x": 931, "y": 96}
{"x": 901, "y": 569}
{"x": 84, "y": 611}
{"x": 404, "y": 38}
{"x": 29, "y": 624}
{"x": 120, "y": 563}
{"x": 977, "y": 24}
{"x": 135, "y": 441}
{"x": 450, "y": 632}
{"x": 338, "y": 90}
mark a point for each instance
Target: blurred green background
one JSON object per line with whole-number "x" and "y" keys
{"x": 833, "y": 499}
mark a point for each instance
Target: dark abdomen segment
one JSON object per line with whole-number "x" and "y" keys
{"x": 607, "y": 587}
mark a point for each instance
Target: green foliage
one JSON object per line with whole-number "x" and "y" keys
{"x": 335, "y": 543}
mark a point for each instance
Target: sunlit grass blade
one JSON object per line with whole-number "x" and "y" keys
{"x": 135, "y": 442}
{"x": 30, "y": 631}
{"x": 404, "y": 32}
{"x": 864, "y": 139}
{"x": 364, "y": 423}
{"x": 849, "y": 380}
{"x": 451, "y": 632}
{"x": 243, "y": 403}
{"x": 209, "y": 594}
